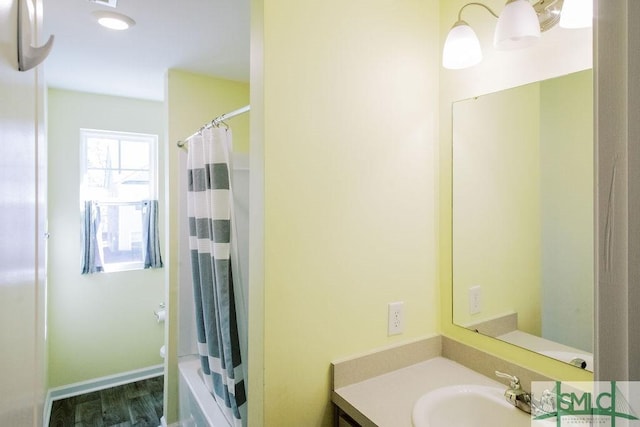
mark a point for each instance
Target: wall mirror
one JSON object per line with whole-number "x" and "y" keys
{"x": 523, "y": 255}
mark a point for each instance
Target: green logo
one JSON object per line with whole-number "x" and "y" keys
{"x": 593, "y": 404}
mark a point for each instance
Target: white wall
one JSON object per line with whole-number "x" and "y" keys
{"x": 100, "y": 324}
{"x": 22, "y": 241}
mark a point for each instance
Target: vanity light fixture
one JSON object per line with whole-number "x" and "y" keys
{"x": 113, "y": 20}
{"x": 519, "y": 25}
{"x": 462, "y": 47}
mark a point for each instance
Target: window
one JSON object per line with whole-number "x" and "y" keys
{"x": 119, "y": 180}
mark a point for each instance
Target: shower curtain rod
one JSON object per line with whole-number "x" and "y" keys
{"x": 215, "y": 122}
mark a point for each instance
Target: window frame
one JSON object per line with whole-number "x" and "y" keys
{"x": 152, "y": 141}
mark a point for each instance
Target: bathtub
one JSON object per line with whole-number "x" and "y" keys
{"x": 197, "y": 406}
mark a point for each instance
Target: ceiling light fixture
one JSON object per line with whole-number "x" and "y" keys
{"x": 110, "y": 3}
{"x": 113, "y": 20}
{"x": 519, "y": 25}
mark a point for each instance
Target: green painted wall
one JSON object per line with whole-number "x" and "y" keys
{"x": 496, "y": 206}
{"x": 567, "y": 188}
{"x": 195, "y": 99}
{"x": 347, "y": 114}
{"x": 100, "y": 324}
{"x": 515, "y": 202}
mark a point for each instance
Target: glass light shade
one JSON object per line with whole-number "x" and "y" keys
{"x": 576, "y": 14}
{"x": 113, "y": 20}
{"x": 461, "y": 48}
{"x": 517, "y": 26}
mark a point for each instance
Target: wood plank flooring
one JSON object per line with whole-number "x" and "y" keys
{"x": 135, "y": 404}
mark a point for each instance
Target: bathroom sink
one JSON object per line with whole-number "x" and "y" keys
{"x": 467, "y": 406}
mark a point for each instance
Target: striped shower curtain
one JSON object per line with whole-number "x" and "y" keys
{"x": 209, "y": 210}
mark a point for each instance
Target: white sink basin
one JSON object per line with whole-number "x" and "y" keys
{"x": 467, "y": 406}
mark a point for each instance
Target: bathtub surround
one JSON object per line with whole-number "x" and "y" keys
{"x": 197, "y": 404}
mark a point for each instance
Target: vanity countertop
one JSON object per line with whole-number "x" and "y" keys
{"x": 387, "y": 400}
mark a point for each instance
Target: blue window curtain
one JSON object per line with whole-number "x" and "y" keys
{"x": 151, "y": 235}
{"x": 92, "y": 254}
{"x": 92, "y": 259}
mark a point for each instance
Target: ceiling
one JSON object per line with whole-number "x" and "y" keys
{"x": 202, "y": 36}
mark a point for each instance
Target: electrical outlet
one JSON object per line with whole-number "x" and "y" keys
{"x": 475, "y": 300}
{"x": 396, "y": 318}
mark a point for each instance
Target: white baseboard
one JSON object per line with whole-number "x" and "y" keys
{"x": 96, "y": 384}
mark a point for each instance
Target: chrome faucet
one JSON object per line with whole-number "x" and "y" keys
{"x": 545, "y": 405}
{"x": 525, "y": 401}
{"x": 515, "y": 394}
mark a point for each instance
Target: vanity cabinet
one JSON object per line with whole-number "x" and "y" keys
{"x": 344, "y": 420}
{"x": 371, "y": 392}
